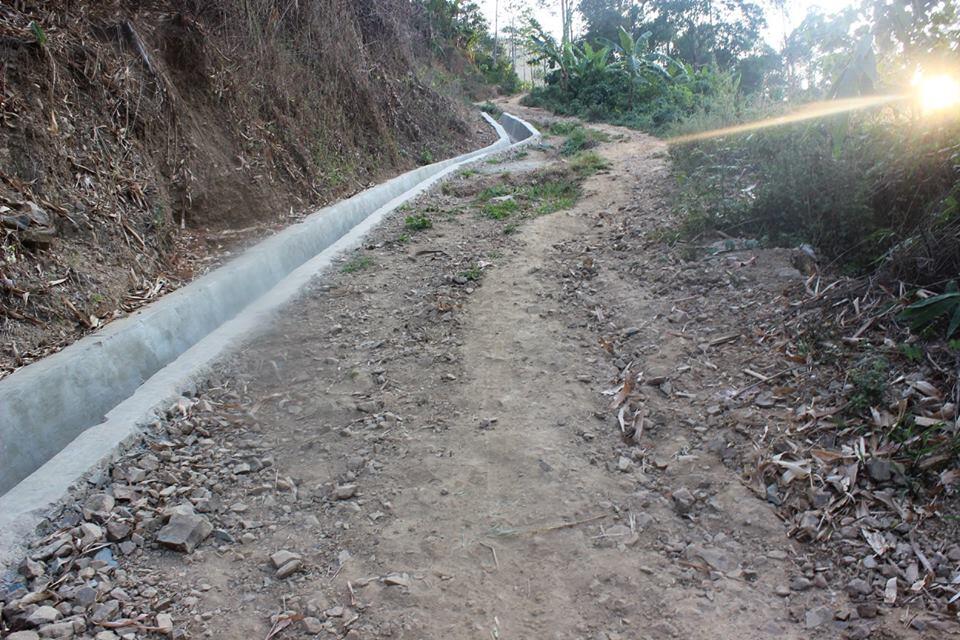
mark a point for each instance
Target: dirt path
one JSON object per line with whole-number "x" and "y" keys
{"x": 428, "y": 431}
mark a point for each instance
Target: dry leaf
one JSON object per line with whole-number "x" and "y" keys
{"x": 876, "y": 541}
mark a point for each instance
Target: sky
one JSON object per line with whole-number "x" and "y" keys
{"x": 778, "y": 25}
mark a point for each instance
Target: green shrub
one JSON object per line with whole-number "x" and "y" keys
{"x": 870, "y": 190}
{"x": 500, "y": 209}
{"x": 417, "y": 222}
{"x": 492, "y": 109}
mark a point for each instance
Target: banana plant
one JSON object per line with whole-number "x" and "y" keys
{"x": 637, "y": 61}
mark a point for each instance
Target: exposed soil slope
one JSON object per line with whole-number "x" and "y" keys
{"x": 140, "y": 140}
{"x": 429, "y": 445}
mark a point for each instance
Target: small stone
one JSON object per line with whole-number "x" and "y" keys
{"x": 23, "y": 635}
{"x": 106, "y": 611}
{"x": 800, "y": 583}
{"x": 859, "y": 587}
{"x": 60, "y": 630}
{"x": 313, "y": 625}
{"x": 345, "y": 491}
{"x": 765, "y": 400}
{"x": 867, "y": 610}
{"x": 773, "y": 494}
{"x": 84, "y": 596}
{"x": 335, "y": 612}
{"x": 289, "y": 568}
{"x": 106, "y": 635}
{"x": 282, "y": 557}
{"x": 98, "y": 507}
{"x": 624, "y": 464}
{"x": 31, "y": 569}
{"x": 397, "y": 580}
{"x": 880, "y": 470}
{"x": 184, "y": 532}
{"x": 90, "y": 532}
{"x": 817, "y": 617}
{"x": 819, "y": 581}
{"x": 43, "y": 615}
{"x": 165, "y": 623}
{"x": 683, "y": 500}
{"x": 782, "y": 590}
{"x": 105, "y": 556}
{"x": 117, "y": 531}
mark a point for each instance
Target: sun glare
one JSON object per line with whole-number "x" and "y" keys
{"x": 937, "y": 93}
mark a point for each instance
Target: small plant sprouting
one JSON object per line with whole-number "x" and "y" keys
{"x": 869, "y": 382}
{"x": 357, "y": 263}
{"x": 417, "y": 222}
{"x": 38, "y": 33}
{"x": 473, "y": 273}
{"x": 911, "y": 352}
{"x": 426, "y": 157}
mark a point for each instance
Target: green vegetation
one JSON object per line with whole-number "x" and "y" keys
{"x": 492, "y": 109}
{"x": 580, "y": 138}
{"x": 472, "y": 274}
{"x": 357, "y": 263}
{"x": 500, "y": 208}
{"x": 869, "y": 383}
{"x": 457, "y": 32}
{"x": 588, "y": 163}
{"x": 552, "y": 196}
{"x": 931, "y": 311}
{"x": 417, "y": 222}
{"x": 874, "y": 190}
{"x": 540, "y": 194}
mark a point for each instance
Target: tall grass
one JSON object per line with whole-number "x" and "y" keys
{"x": 875, "y": 190}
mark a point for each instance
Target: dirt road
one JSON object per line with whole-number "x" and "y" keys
{"x": 436, "y": 433}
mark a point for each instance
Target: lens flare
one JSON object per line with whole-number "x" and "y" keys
{"x": 937, "y": 93}
{"x": 806, "y": 112}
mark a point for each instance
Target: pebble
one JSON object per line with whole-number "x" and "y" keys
{"x": 98, "y": 507}
{"x": 345, "y": 491}
{"x": 59, "y": 630}
{"x": 800, "y": 583}
{"x": 859, "y": 587}
{"x": 683, "y": 500}
{"x": 289, "y": 568}
{"x": 397, "y": 580}
{"x": 880, "y": 470}
{"x": 282, "y": 557}
{"x": 43, "y": 615}
{"x": 165, "y": 623}
{"x": 817, "y": 617}
{"x": 184, "y": 532}
{"x": 313, "y": 625}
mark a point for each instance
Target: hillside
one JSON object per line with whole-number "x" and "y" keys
{"x": 142, "y": 141}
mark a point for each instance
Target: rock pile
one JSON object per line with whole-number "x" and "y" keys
{"x": 168, "y": 493}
